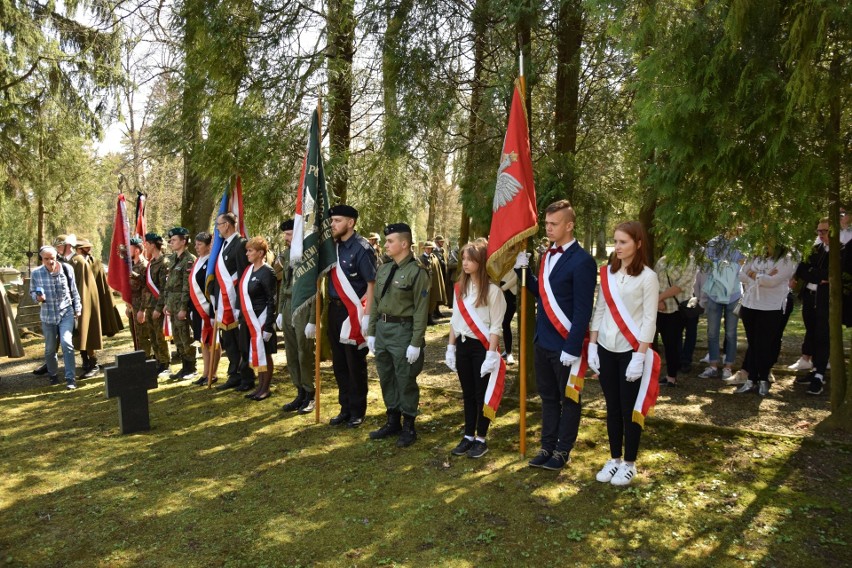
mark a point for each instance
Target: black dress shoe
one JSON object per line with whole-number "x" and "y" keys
{"x": 40, "y": 370}
{"x": 341, "y": 418}
{"x": 355, "y": 421}
{"x": 200, "y": 382}
{"x": 229, "y": 384}
{"x": 245, "y": 387}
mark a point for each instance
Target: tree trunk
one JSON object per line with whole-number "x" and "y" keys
{"x": 474, "y": 124}
{"x": 340, "y": 24}
{"x": 569, "y": 40}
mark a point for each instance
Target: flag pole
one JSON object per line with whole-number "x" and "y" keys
{"x": 522, "y": 393}
{"x": 317, "y": 354}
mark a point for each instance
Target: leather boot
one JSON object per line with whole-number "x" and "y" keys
{"x": 408, "y": 435}
{"x": 296, "y": 403}
{"x": 391, "y": 427}
{"x": 188, "y": 369}
{"x": 179, "y": 374}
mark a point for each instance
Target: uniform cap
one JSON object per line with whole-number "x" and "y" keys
{"x": 439, "y": 238}
{"x": 286, "y": 225}
{"x": 397, "y": 228}
{"x": 153, "y": 238}
{"x": 177, "y": 231}
{"x": 429, "y": 244}
{"x": 343, "y": 211}
{"x": 374, "y": 236}
{"x": 136, "y": 241}
{"x": 60, "y": 241}
{"x": 82, "y": 243}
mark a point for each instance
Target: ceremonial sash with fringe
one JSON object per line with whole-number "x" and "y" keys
{"x": 167, "y": 323}
{"x": 257, "y": 350}
{"x": 201, "y": 303}
{"x": 497, "y": 379}
{"x": 649, "y": 386}
{"x": 562, "y": 324}
{"x": 349, "y": 334}
{"x": 227, "y": 293}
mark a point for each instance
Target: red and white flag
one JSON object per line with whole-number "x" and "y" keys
{"x": 118, "y": 276}
{"x": 141, "y": 225}
{"x": 515, "y": 217}
{"x": 235, "y": 206}
{"x": 297, "y": 246}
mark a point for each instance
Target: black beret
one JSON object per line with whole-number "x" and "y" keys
{"x": 286, "y": 225}
{"x": 343, "y": 211}
{"x": 136, "y": 241}
{"x": 397, "y": 228}
{"x": 177, "y": 231}
{"x": 153, "y": 238}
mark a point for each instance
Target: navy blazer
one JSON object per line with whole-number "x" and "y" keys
{"x": 573, "y": 281}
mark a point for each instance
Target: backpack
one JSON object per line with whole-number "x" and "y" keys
{"x": 722, "y": 281}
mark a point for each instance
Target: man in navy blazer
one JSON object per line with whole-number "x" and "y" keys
{"x": 571, "y": 276}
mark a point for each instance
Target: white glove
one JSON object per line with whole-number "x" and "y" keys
{"x": 636, "y": 366}
{"x": 279, "y": 322}
{"x": 236, "y": 315}
{"x": 592, "y": 358}
{"x": 523, "y": 260}
{"x": 365, "y": 323}
{"x": 491, "y": 363}
{"x": 567, "y": 359}
{"x": 311, "y": 331}
{"x": 371, "y": 344}
{"x": 266, "y": 336}
{"x": 450, "y": 357}
{"x": 412, "y": 354}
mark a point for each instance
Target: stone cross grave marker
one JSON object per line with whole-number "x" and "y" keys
{"x": 130, "y": 379}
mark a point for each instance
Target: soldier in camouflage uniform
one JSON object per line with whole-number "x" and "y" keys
{"x": 139, "y": 296}
{"x": 155, "y": 281}
{"x": 175, "y": 301}
{"x": 396, "y": 333}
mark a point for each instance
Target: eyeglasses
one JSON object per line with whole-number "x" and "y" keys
{"x": 220, "y": 223}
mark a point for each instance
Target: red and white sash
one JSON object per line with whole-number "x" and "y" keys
{"x": 201, "y": 303}
{"x": 349, "y": 334}
{"x": 562, "y": 324}
{"x": 649, "y": 386}
{"x": 497, "y": 379}
{"x": 167, "y": 323}
{"x": 227, "y": 293}
{"x": 257, "y": 350}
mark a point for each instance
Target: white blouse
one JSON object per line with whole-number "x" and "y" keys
{"x": 640, "y": 295}
{"x": 767, "y": 291}
{"x": 491, "y": 314}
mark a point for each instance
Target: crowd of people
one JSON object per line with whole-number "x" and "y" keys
{"x": 381, "y": 298}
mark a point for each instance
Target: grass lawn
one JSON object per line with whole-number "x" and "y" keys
{"x": 220, "y": 481}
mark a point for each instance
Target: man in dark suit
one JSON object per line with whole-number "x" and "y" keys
{"x": 565, "y": 297}
{"x": 233, "y": 257}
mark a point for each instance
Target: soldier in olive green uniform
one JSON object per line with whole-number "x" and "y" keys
{"x": 300, "y": 349}
{"x": 139, "y": 295}
{"x": 155, "y": 280}
{"x": 396, "y": 333}
{"x": 175, "y": 301}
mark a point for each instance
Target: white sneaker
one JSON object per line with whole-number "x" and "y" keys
{"x": 510, "y": 360}
{"x": 802, "y": 365}
{"x": 709, "y": 373}
{"x": 705, "y": 359}
{"x": 738, "y": 378}
{"x": 624, "y": 475}
{"x": 726, "y": 373}
{"x": 608, "y": 470}
{"x": 748, "y": 386}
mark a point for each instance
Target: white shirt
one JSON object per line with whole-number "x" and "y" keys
{"x": 640, "y": 295}
{"x": 491, "y": 314}
{"x": 765, "y": 292}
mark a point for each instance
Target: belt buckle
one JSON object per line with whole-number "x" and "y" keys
{"x": 384, "y": 318}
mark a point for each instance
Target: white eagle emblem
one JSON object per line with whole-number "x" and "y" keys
{"x": 507, "y": 186}
{"x": 308, "y": 206}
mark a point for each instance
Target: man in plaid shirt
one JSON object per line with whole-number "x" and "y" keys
{"x": 52, "y": 285}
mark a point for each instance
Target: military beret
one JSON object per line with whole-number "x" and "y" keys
{"x": 374, "y": 236}
{"x": 136, "y": 241}
{"x": 83, "y": 243}
{"x": 286, "y": 225}
{"x": 153, "y": 238}
{"x": 397, "y": 228}
{"x": 343, "y": 211}
{"x": 177, "y": 231}
{"x": 439, "y": 238}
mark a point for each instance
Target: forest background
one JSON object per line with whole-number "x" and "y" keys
{"x": 697, "y": 117}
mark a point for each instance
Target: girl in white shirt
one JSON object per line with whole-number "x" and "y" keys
{"x": 475, "y": 363}
{"x": 621, "y": 364}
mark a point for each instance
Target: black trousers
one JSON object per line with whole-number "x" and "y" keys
{"x": 231, "y": 347}
{"x": 620, "y": 396}
{"x": 785, "y": 317}
{"x": 761, "y": 329}
{"x": 670, "y": 327}
{"x": 690, "y": 337}
{"x": 511, "y": 307}
{"x": 470, "y": 354}
{"x": 560, "y": 416}
{"x": 349, "y": 364}
{"x": 815, "y": 317}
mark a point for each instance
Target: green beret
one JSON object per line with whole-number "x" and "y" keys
{"x": 177, "y": 231}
